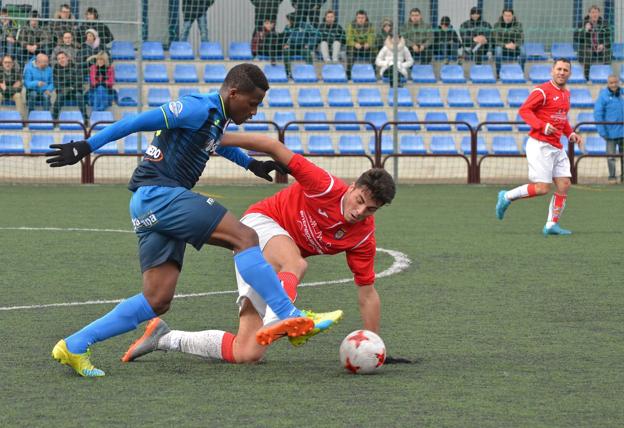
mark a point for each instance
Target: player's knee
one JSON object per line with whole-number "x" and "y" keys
{"x": 246, "y": 238}
{"x": 301, "y": 266}
{"x": 249, "y": 356}
{"x": 160, "y": 305}
{"x": 542, "y": 188}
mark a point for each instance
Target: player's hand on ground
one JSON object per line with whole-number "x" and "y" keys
{"x": 263, "y": 168}
{"x": 67, "y": 154}
{"x": 396, "y": 360}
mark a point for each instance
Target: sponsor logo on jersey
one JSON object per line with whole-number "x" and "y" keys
{"x": 210, "y": 201}
{"x": 175, "y": 107}
{"x": 153, "y": 154}
{"x": 555, "y": 98}
{"x": 144, "y": 222}
{"x": 323, "y": 213}
{"x": 211, "y": 146}
{"x": 340, "y": 233}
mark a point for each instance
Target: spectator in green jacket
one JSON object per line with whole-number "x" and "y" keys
{"x": 593, "y": 40}
{"x": 332, "y": 34}
{"x": 475, "y": 34}
{"x": 418, "y": 37}
{"x": 508, "y": 39}
{"x": 360, "y": 40}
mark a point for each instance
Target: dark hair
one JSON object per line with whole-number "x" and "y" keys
{"x": 34, "y": 13}
{"x": 4, "y": 10}
{"x": 414, "y": 9}
{"x": 380, "y": 183}
{"x": 508, "y": 9}
{"x": 561, "y": 60}
{"x": 93, "y": 11}
{"x": 246, "y": 78}
{"x": 65, "y": 6}
{"x": 361, "y": 12}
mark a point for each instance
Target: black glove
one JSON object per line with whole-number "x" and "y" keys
{"x": 396, "y": 360}
{"x": 67, "y": 154}
{"x": 262, "y": 169}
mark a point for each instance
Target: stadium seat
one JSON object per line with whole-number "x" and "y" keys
{"x": 443, "y": 145}
{"x": 127, "y": 97}
{"x": 304, "y": 73}
{"x": 363, "y": 73}
{"x": 489, "y": 97}
{"x": 563, "y": 50}
{"x": 283, "y": 117}
{"x": 586, "y": 116}
{"x": 101, "y": 116}
{"x": 369, "y": 97}
{"x": 386, "y": 144}
{"x": 181, "y": 51}
{"x": 130, "y": 143}
{"x": 11, "y": 144}
{"x": 40, "y": 115}
{"x": 423, "y": 73}
{"x": 346, "y": 116}
{"x": 125, "y": 72}
{"x": 498, "y": 117}
{"x": 539, "y": 73}
{"x": 257, "y": 126}
{"x": 320, "y": 144}
{"x": 187, "y": 91}
{"x": 564, "y": 142}
{"x": 214, "y": 73}
{"x": 452, "y": 73}
{"x": 466, "y": 146}
{"x": 482, "y": 74}
{"x": 280, "y": 97}
{"x": 185, "y": 73}
{"x": 599, "y": 73}
{"x": 309, "y": 97}
{"x": 318, "y": 116}
{"x": 350, "y": 144}
{"x": 275, "y": 73}
{"x": 429, "y": 97}
{"x": 40, "y": 143}
{"x": 523, "y": 127}
{"x": 158, "y": 96}
{"x": 412, "y": 144}
{"x": 617, "y": 50}
{"x": 377, "y": 118}
{"x": 517, "y": 96}
{"x": 512, "y": 73}
{"x": 535, "y": 52}
{"x": 404, "y": 97}
{"x": 10, "y": 115}
{"x": 437, "y": 116}
{"x": 407, "y": 116}
{"x": 71, "y": 137}
{"x": 595, "y": 146}
{"x": 122, "y": 50}
{"x": 240, "y": 51}
{"x": 232, "y": 127}
{"x": 577, "y": 75}
{"x": 622, "y": 73}
{"x": 155, "y": 73}
{"x": 210, "y": 51}
{"x": 153, "y": 51}
{"x": 459, "y": 97}
{"x": 339, "y": 97}
{"x": 581, "y": 98}
{"x": 70, "y": 116}
{"x": 293, "y": 142}
{"x": 504, "y": 145}
{"x": 466, "y": 116}
{"x": 333, "y": 73}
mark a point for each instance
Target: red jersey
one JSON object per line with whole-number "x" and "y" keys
{"x": 310, "y": 210}
{"x": 547, "y": 103}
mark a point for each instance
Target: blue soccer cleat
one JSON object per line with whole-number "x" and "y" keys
{"x": 555, "y": 230}
{"x": 501, "y": 205}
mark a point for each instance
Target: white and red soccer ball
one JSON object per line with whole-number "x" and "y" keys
{"x": 362, "y": 352}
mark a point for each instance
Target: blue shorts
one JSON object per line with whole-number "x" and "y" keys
{"x": 166, "y": 218}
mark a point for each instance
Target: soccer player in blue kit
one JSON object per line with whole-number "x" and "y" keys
{"x": 166, "y": 214}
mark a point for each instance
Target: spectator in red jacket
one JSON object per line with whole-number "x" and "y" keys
{"x": 101, "y": 80}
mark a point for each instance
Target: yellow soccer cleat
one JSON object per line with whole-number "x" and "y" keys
{"x": 323, "y": 322}
{"x": 79, "y": 362}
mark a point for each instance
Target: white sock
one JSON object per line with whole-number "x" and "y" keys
{"x": 517, "y": 193}
{"x": 269, "y": 317}
{"x": 205, "y": 343}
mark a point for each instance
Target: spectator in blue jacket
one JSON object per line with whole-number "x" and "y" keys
{"x": 609, "y": 107}
{"x": 39, "y": 82}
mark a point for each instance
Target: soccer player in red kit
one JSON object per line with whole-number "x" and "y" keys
{"x": 319, "y": 214}
{"x": 546, "y": 111}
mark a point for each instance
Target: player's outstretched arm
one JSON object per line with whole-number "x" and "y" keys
{"x": 370, "y": 307}
{"x": 260, "y": 143}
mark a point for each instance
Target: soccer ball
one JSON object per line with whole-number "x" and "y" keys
{"x": 362, "y": 352}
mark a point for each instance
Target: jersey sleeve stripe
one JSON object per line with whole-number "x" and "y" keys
{"x": 165, "y": 114}
{"x": 543, "y": 93}
{"x": 331, "y": 184}
{"x": 362, "y": 241}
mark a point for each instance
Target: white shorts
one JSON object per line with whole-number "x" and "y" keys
{"x": 266, "y": 228}
{"x": 546, "y": 161}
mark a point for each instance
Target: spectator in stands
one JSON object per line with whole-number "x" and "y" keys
{"x": 610, "y": 108}
{"x": 475, "y": 34}
{"x": 384, "y": 31}
{"x": 67, "y": 23}
{"x": 446, "y": 42}
{"x": 105, "y": 34}
{"x": 593, "y": 40}
{"x": 11, "y": 84}
{"x": 418, "y": 37}
{"x": 101, "y": 80}
{"x": 332, "y": 34}
{"x": 263, "y": 10}
{"x": 508, "y": 39}
{"x": 360, "y": 40}
{"x": 196, "y": 10}
{"x": 39, "y": 82}
{"x": 267, "y": 43}
{"x": 307, "y": 11}
{"x": 33, "y": 39}
{"x": 68, "y": 85}
{"x": 8, "y": 33}
{"x": 385, "y": 59}
{"x": 68, "y": 46}
{"x": 89, "y": 49}
{"x": 299, "y": 40}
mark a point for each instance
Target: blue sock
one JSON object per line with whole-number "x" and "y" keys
{"x": 260, "y": 275}
{"x": 124, "y": 317}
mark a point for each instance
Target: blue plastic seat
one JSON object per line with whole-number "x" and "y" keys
{"x": 443, "y": 145}
{"x": 309, "y": 97}
{"x": 466, "y": 146}
{"x": 504, "y": 145}
{"x": 181, "y": 51}
{"x": 130, "y": 143}
{"x": 210, "y": 51}
{"x": 346, "y": 116}
{"x": 320, "y": 144}
{"x": 125, "y": 72}
{"x": 377, "y": 118}
{"x": 182, "y": 92}
{"x": 452, "y": 73}
{"x": 304, "y": 73}
{"x": 283, "y": 117}
{"x": 339, "y": 97}
{"x": 437, "y": 116}
{"x": 586, "y": 116}
{"x": 71, "y": 137}
{"x": 369, "y": 97}
{"x": 617, "y": 50}
{"x": 429, "y": 97}
{"x": 577, "y": 74}
{"x": 423, "y": 73}
{"x": 11, "y": 144}
{"x": 185, "y": 73}
{"x": 563, "y": 50}
{"x": 232, "y": 127}
{"x": 412, "y": 144}
{"x": 121, "y": 50}
{"x": 293, "y": 142}
{"x": 214, "y": 73}
{"x": 158, "y": 96}
{"x": 459, "y": 97}
{"x": 240, "y": 51}
{"x": 10, "y": 115}
{"x": 539, "y": 73}
{"x": 101, "y": 116}
{"x": 257, "y": 126}
{"x": 155, "y": 73}
{"x": 280, "y": 97}
{"x": 40, "y": 115}
{"x": 523, "y": 127}
{"x": 153, "y": 51}
{"x": 466, "y": 116}
{"x": 387, "y": 145}
{"x": 489, "y": 97}
{"x": 595, "y": 146}
{"x": 482, "y": 73}
{"x": 517, "y": 96}
{"x": 497, "y": 117}
{"x": 350, "y": 144}
{"x": 404, "y": 97}
{"x": 315, "y": 115}
{"x": 581, "y": 98}
{"x": 599, "y": 73}
{"x": 127, "y": 97}
{"x": 40, "y": 143}
{"x": 512, "y": 73}
{"x": 275, "y": 73}
{"x": 333, "y": 73}
{"x": 622, "y": 73}
{"x": 407, "y": 116}
{"x": 535, "y": 52}
{"x": 363, "y": 73}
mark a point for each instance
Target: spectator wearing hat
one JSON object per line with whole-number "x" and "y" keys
{"x": 446, "y": 42}
{"x": 91, "y": 46}
{"x": 418, "y": 37}
{"x": 475, "y": 34}
{"x": 508, "y": 39}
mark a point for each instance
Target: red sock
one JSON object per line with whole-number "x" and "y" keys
{"x": 290, "y": 283}
{"x": 531, "y": 190}
{"x": 227, "y": 347}
{"x": 558, "y": 205}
